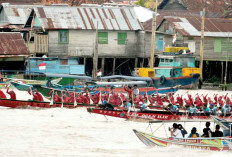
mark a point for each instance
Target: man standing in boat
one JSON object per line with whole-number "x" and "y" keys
{"x": 136, "y": 90}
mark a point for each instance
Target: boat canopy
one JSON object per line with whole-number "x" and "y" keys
{"x": 120, "y": 83}
{"x": 68, "y": 76}
{"x": 127, "y": 77}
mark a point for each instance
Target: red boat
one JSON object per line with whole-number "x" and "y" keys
{"x": 150, "y": 114}
{"x": 30, "y": 103}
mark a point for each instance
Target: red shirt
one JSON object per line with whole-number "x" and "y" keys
{"x": 12, "y": 94}
{"x": 2, "y": 95}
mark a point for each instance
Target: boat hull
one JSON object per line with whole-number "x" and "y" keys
{"x": 149, "y": 115}
{"x": 187, "y": 82}
{"x": 149, "y": 90}
{"x": 214, "y": 144}
{"x": 30, "y": 103}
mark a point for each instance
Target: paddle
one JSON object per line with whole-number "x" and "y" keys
{"x": 52, "y": 102}
{"x": 75, "y": 102}
{"x": 122, "y": 108}
{"x": 62, "y": 100}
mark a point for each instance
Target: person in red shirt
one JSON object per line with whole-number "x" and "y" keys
{"x": 129, "y": 90}
{"x": 205, "y": 99}
{"x": 11, "y": 93}
{"x": 57, "y": 98}
{"x": 136, "y": 100}
{"x": 39, "y": 95}
{"x": 215, "y": 99}
{"x": 158, "y": 100}
{"x": 85, "y": 99}
{"x": 187, "y": 102}
{"x": 2, "y": 94}
{"x": 190, "y": 98}
{"x": 66, "y": 99}
{"x": 179, "y": 100}
{"x": 141, "y": 98}
{"x": 166, "y": 99}
{"x": 220, "y": 101}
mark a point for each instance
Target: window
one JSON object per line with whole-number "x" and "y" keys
{"x": 102, "y": 37}
{"x": 63, "y": 36}
{"x": 122, "y": 37}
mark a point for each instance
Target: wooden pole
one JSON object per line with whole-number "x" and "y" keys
{"x": 202, "y": 43}
{"x": 222, "y": 71}
{"x": 136, "y": 62}
{"x": 153, "y": 37}
{"x": 225, "y": 78}
{"x": 102, "y": 66}
{"x": 113, "y": 72}
{"x": 95, "y": 56}
{"x": 29, "y": 60}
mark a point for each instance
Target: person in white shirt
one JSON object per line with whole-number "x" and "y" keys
{"x": 136, "y": 90}
{"x": 175, "y": 131}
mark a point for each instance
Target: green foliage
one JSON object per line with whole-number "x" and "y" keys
{"x": 213, "y": 79}
{"x": 140, "y": 3}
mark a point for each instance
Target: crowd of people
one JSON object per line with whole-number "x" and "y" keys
{"x": 192, "y": 104}
{"x": 179, "y": 132}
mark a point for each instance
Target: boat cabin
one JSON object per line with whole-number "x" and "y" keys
{"x": 55, "y": 65}
{"x": 176, "y": 65}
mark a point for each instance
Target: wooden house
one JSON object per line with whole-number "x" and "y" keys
{"x": 71, "y": 31}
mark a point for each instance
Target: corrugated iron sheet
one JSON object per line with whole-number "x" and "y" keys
{"x": 17, "y": 14}
{"x": 12, "y": 44}
{"x": 108, "y": 18}
{"x": 191, "y": 26}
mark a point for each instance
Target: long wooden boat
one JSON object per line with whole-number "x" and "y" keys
{"x": 208, "y": 143}
{"x": 150, "y": 114}
{"x": 216, "y": 144}
{"x": 30, "y": 103}
{"x": 149, "y": 90}
{"x": 23, "y": 84}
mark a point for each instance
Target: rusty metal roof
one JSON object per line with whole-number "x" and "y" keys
{"x": 12, "y": 44}
{"x": 107, "y": 17}
{"x": 191, "y": 26}
{"x": 17, "y": 14}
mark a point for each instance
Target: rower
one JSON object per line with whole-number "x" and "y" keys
{"x": 39, "y": 95}
{"x": 206, "y": 109}
{"x": 173, "y": 108}
{"x": 11, "y": 93}
{"x": 106, "y": 106}
{"x": 126, "y": 105}
{"x": 2, "y": 94}
{"x": 144, "y": 107}
{"x": 223, "y": 110}
{"x": 213, "y": 109}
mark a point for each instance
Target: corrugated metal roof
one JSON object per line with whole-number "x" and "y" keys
{"x": 12, "y": 44}
{"x": 108, "y": 18}
{"x": 191, "y": 26}
{"x": 17, "y": 14}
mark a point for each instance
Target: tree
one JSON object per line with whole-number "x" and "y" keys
{"x": 140, "y": 3}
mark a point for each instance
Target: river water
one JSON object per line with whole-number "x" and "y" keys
{"x": 74, "y": 132}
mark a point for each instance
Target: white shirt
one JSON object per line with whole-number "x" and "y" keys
{"x": 177, "y": 133}
{"x": 136, "y": 91}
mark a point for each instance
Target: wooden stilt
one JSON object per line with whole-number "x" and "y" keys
{"x": 222, "y": 72}
{"x": 136, "y": 62}
{"x": 142, "y": 63}
{"x": 84, "y": 61}
{"x": 102, "y": 66}
{"x": 113, "y": 72}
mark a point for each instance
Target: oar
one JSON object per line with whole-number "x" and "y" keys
{"x": 172, "y": 113}
{"x": 52, "y": 102}
{"x": 75, "y": 102}
{"x": 62, "y": 100}
{"x": 100, "y": 101}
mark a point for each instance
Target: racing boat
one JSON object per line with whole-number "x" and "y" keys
{"x": 41, "y": 104}
{"x": 157, "y": 114}
{"x": 207, "y": 143}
